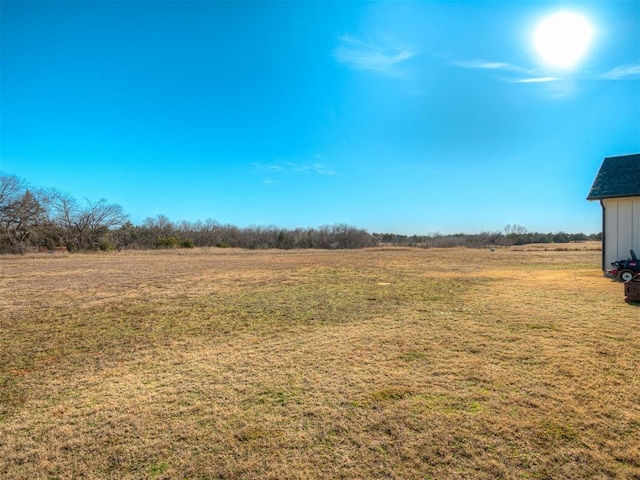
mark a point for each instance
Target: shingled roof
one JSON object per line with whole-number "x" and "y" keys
{"x": 618, "y": 177}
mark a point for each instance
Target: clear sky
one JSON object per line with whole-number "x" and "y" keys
{"x": 404, "y": 117}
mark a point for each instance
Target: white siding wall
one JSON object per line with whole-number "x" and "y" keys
{"x": 621, "y": 228}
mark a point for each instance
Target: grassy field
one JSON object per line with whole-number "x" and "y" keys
{"x": 377, "y": 363}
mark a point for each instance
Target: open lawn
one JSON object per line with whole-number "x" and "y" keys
{"x": 377, "y": 363}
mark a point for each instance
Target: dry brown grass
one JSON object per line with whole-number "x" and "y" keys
{"x": 380, "y": 363}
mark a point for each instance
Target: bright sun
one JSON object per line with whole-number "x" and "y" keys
{"x": 563, "y": 38}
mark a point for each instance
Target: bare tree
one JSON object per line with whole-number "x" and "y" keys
{"x": 10, "y": 190}
{"x": 10, "y": 187}
{"x": 63, "y": 212}
{"x": 514, "y": 229}
{"x": 85, "y": 226}
{"x": 23, "y": 215}
{"x": 96, "y": 220}
{"x": 21, "y": 220}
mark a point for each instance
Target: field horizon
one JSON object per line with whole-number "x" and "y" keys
{"x": 387, "y": 362}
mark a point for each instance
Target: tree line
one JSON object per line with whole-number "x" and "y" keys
{"x": 483, "y": 239}
{"x": 46, "y": 219}
{"x": 36, "y": 219}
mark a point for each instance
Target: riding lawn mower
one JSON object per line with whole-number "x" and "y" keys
{"x": 625, "y": 270}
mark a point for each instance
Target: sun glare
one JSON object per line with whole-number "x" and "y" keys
{"x": 562, "y": 39}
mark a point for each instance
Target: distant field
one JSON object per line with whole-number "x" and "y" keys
{"x": 377, "y": 363}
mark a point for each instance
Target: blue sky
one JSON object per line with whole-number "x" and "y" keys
{"x": 405, "y": 117}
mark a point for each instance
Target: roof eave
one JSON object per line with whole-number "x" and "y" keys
{"x": 603, "y": 197}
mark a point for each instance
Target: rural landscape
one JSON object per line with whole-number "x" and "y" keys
{"x": 319, "y": 240}
{"x": 382, "y": 362}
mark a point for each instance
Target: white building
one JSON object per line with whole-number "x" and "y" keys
{"x": 617, "y": 186}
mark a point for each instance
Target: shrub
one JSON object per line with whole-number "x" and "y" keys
{"x": 106, "y": 246}
{"x": 167, "y": 242}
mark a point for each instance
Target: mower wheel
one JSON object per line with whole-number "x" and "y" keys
{"x": 626, "y": 275}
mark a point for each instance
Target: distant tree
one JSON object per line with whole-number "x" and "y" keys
{"x": 97, "y": 219}
{"x": 63, "y": 212}
{"x": 84, "y": 226}
{"x": 22, "y": 220}
{"x": 346, "y": 236}
{"x": 160, "y": 225}
{"x": 514, "y": 229}
{"x": 11, "y": 188}
{"x": 579, "y": 237}
{"x": 127, "y": 236}
{"x": 561, "y": 237}
{"x": 23, "y": 215}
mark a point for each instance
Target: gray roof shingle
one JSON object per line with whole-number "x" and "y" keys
{"x": 618, "y": 177}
